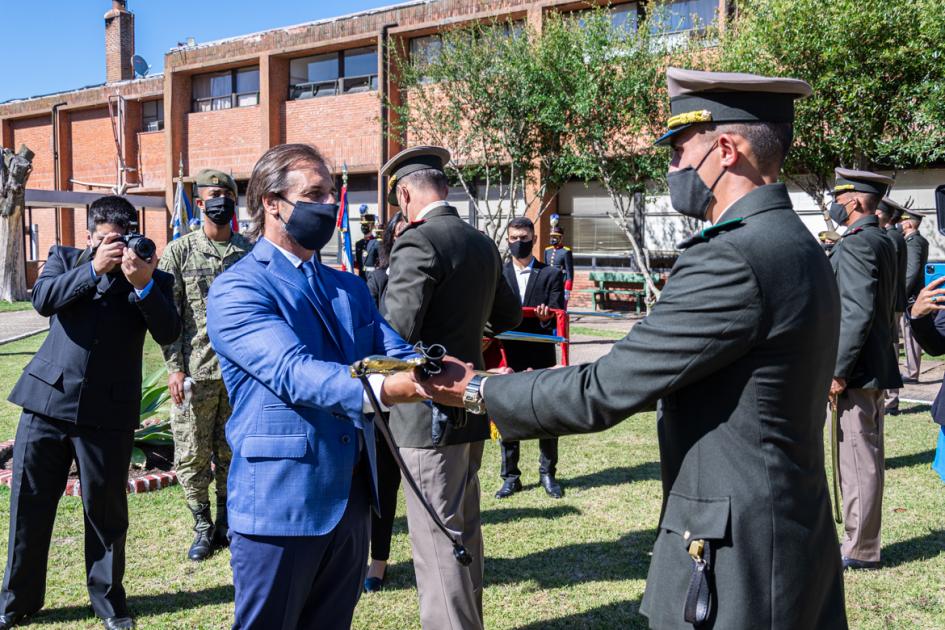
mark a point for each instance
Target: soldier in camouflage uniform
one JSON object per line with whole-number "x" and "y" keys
{"x": 198, "y": 420}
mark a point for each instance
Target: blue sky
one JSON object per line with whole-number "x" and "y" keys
{"x": 58, "y": 45}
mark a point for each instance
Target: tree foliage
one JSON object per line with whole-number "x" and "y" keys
{"x": 877, "y": 69}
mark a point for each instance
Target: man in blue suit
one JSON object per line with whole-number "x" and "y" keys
{"x": 303, "y": 477}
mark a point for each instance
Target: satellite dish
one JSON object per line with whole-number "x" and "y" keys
{"x": 140, "y": 65}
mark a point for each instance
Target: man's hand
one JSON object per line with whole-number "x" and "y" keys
{"x": 108, "y": 254}
{"x": 137, "y": 271}
{"x": 175, "y": 385}
{"x": 837, "y": 386}
{"x": 401, "y": 387}
{"x": 929, "y": 300}
{"x": 447, "y": 387}
{"x": 543, "y": 312}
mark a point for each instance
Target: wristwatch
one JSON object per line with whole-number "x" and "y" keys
{"x": 472, "y": 397}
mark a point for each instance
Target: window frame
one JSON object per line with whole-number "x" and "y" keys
{"x": 232, "y": 100}
{"x": 340, "y": 86}
{"x": 156, "y": 121}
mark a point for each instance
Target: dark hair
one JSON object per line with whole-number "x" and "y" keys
{"x": 427, "y": 179}
{"x": 387, "y": 242}
{"x": 270, "y": 177}
{"x": 771, "y": 142}
{"x": 112, "y": 209}
{"x": 522, "y": 223}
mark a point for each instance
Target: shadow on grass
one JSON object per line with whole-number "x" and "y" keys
{"x": 626, "y": 558}
{"x": 614, "y": 476}
{"x": 913, "y": 459}
{"x": 16, "y": 354}
{"x": 623, "y": 615}
{"x": 910, "y": 409}
{"x": 920, "y": 548}
{"x": 142, "y": 605}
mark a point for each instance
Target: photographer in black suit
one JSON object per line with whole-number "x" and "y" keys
{"x": 540, "y": 286}
{"x": 81, "y": 397}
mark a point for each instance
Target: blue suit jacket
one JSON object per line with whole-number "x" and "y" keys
{"x": 297, "y": 412}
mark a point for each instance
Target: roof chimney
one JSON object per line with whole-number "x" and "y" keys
{"x": 119, "y": 42}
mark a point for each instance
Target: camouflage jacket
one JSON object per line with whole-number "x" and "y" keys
{"x": 195, "y": 263}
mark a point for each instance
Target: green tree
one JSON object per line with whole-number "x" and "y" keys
{"x": 877, "y": 69}
{"x": 474, "y": 92}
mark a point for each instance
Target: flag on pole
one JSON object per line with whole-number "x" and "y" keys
{"x": 183, "y": 220}
{"x": 342, "y": 225}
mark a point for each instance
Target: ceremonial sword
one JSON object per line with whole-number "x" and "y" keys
{"x": 835, "y": 458}
{"x": 428, "y": 364}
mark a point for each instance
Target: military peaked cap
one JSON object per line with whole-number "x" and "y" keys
{"x": 209, "y": 177}
{"x": 849, "y": 180}
{"x": 893, "y": 209}
{"x": 728, "y": 97}
{"x": 410, "y": 161}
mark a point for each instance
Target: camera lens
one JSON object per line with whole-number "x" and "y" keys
{"x": 141, "y": 245}
{"x": 929, "y": 269}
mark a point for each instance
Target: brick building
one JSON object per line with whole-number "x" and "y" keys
{"x": 222, "y": 104}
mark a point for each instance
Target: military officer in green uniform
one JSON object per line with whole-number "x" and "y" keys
{"x": 917, "y": 255}
{"x": 864, "y": 262}
{"x": 889, "y": 214}
{"x": 739, "y": 351}
{"x": 198, "y": 416}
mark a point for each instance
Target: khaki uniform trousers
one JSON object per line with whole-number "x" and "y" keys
{"x": 913, "y": 350}
{"x": 448, "y": 476}
{"x": 862, "y": 471}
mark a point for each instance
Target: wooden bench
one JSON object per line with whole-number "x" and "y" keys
{"x": 615, "y": 283}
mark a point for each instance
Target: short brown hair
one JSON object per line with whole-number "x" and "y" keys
{"x": 270, "y": 177}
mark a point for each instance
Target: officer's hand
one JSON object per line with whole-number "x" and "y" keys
{"x": 543, "y": 312}
{"x": 837, "y": 386}
{"x": 175, "y": 385}
{"x": 448, "y": 387}
{"x": 930, "y": 299}
{"x": 401, "y": 387}
{"x": 109, "y": 254}
{"x": 137, "y": 271}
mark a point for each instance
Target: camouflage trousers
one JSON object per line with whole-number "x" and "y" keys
{"x": 199, "y": 438}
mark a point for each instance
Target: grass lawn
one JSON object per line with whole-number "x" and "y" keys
{"x": 576, "y": 563}
{"x": 22, "y": 305}
{"x": 596, "y": 332}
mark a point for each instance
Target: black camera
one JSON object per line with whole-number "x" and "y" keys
{"x": 140, "y": 244}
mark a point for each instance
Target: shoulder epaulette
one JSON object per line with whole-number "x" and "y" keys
{"x": 852, "y": 232}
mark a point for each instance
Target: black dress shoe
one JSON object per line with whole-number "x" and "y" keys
{"x": 853, "y": 563}
{"x": 908, "y": 380}
{"x": 509, "y": 487}
{"x": 119, "y": 623}
{"x": 552, "y": 487}
{"x": 8, "y": 621}
{"x": 375, "y": 584}
{"x": 891, "y": 411}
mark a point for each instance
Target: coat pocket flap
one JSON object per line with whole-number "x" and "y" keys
{"x": 274, "y": 446}
{"x": 694, "y": 518}
{"x": 45, "y": 371}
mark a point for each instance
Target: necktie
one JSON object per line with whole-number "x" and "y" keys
{"x": 311, "y": 274}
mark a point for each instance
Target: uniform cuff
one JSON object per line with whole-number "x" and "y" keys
{"x": 376, "y": 382}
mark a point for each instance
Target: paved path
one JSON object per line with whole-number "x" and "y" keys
{"x": 19, "y": 324}
{"x": 585, "y": 348}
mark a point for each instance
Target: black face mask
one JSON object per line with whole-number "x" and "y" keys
{"x": 555, "y": 241}
{"x": 838, "y": 213}
{"x": 311, "y": 224}
{"x": 366, "y": 229}
{"x": 521, "y": 249}
{"x": 688, "y": 193}
{"x": 220, "y": 210}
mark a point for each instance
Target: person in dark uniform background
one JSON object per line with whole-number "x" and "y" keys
{"x": 739, "y": 352}
{"x": 537, "y": 285}
{"x": 917, "y": 255}
{"x": 81, "y": 398}
{"x": 889, "y": 213}
{"x": 388, "y": 474}
{"x": 864, "y": 261}
{"x": 560, "y": 257}
{"x": 365, "y": 249}
{"x": 446, "y": 287}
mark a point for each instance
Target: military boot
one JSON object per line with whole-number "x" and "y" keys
{"x": 203, "y": 540}
{"x": 221, "y": 527}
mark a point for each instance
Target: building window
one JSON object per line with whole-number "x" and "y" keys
{"x": 622, "y": 16}
{"x": 345, "y": 72}
{"x": 424, "y": 51}
{"x": 680, "y": 16}
{"x": 152, "y": 115}
{"x": 224, "y": 90}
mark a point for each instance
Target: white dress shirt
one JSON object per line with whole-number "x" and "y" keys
{"x": 522, "y": 274}
{"x": 426, "y": 209}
